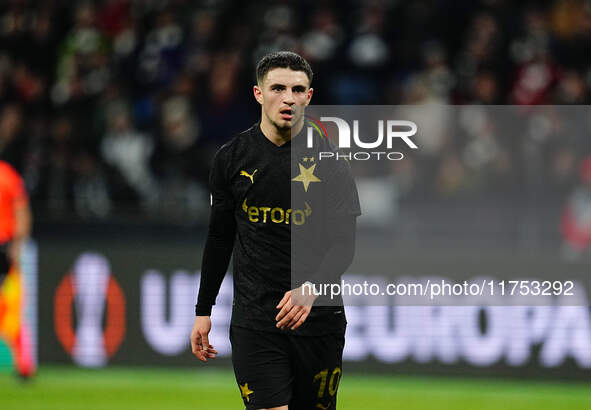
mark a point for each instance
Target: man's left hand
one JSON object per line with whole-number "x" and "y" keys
{"x": 291, "y": 315}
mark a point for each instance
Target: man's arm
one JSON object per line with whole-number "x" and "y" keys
{"x": 339, "y": 256}
{"x": 216, "y": 257}
{"x": 342, "y": 201}
{"x": 296, "y": 305}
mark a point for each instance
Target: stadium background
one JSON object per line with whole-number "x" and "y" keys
{"x": 111, "y": 111}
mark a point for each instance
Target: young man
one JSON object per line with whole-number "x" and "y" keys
{"x": 285, "y": 353}
{"x": 15, "y": 226}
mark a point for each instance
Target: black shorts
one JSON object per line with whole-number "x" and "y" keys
{"x": 276, "y": 369}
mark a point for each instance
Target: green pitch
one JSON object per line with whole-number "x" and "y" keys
{"x": 68, "y": 388}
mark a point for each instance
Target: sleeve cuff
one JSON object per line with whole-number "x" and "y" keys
{"x": 202, "y": 310}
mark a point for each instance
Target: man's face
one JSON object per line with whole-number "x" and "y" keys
{"x": 283, "y": 95}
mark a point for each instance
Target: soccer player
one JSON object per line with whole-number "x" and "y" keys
{"x": 15, "y": 226}
{"x": 286, "y": 348}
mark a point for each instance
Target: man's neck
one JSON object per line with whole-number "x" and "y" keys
{"x": 278, "y": 137}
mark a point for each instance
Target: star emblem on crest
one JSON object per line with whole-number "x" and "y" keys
{"x": 306, "y": 176}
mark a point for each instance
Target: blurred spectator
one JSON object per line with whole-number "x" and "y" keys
{"x": 91, "y": 191}
{"x": 113, "y": 18}
{"x": 484, "y": 88}
{"x": 129, "y": 152}
{"x": 200, "y": 43}
{"x": 178, "y": 139}
{"x": 537, "y": 72}
{"x": 576, "y": 217}
{"x": 321, "y": 43}
{"x": 12, "y": 142}
{"x": 368, "y": 48}
{"x": 82, "y": 68}
{"x": 176, "y": 159}
{"x": 162, "y": 55}
{"x": 571, "y": 89}
{"x": 58, "y": 172}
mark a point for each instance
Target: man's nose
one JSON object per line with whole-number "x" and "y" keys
{"x": 288, "y": 97}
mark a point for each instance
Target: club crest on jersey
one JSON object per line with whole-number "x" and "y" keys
{"x": 306, "y": 175}
{"x": 276, "y": 215}
{"x": 243, "y": 173}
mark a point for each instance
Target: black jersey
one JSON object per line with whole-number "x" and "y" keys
{"x": 266, "y": 197}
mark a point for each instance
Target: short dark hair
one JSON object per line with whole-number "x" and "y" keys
{"x": 283, "y": 59}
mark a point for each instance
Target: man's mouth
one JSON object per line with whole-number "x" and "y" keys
{"x": 286, "y": 114}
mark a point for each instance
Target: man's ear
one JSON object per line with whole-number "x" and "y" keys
{"x": 310, "y": 92}
{"x": 258, "y": 94}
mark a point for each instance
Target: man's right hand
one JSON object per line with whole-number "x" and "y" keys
{"x": 199, "y": 339}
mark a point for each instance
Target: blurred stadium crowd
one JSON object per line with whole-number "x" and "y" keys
{"x": 114, "y": 107}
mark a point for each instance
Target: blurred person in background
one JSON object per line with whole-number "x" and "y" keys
{"x": 576, "y": 216}
{"x": 176, "y": 160}
{"x": 82, "y": 62}
{"x": 12, "y": 142}
{"x": 128, "y": 151}
{"x": 15, "y": 226}
{"x": 91, "y": 190}
{"x": 57, "y": 172}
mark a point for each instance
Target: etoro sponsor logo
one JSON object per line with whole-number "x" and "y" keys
{"x": 276, "y": 215}
{"x": 88, "y": 290}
